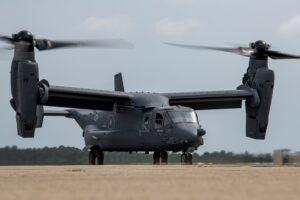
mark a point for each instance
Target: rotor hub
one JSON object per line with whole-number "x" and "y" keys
{"x": 260, "y": 48}
{"x": 23, "y": 36}
{"x": 260, "y": 45}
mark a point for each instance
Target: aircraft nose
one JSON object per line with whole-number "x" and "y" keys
{"x": 188, "y": 132}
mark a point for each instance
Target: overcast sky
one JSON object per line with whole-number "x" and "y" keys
{"x": 152, "y": 66}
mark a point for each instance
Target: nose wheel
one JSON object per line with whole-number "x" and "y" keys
{"x": 160, "y": 157}
{"x": 187, "y": 159}
{"x": 96, "y": 157}
{"x": 164, "y": 157}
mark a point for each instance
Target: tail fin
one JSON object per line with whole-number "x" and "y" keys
{"x": 119, "y": 86}
{"x": 41, "y": 113}
{"x": 40, "y": 116}
{"x": 82, "y": 117}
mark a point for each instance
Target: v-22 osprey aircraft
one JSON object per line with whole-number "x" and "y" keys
{"x": 132, "y": 121}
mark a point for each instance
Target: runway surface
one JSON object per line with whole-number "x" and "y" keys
{"x": 143, "y": 182}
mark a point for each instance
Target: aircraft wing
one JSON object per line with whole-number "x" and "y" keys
{"x": 209, "y": 99}
{"x": 84, "y": 98}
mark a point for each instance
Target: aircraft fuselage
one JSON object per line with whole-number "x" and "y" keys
{"x": 133, "y": 128}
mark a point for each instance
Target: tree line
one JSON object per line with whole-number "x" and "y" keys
{"x": 74, "y": 156}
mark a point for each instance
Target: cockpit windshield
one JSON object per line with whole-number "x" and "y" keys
{"x": 183, "y": 116}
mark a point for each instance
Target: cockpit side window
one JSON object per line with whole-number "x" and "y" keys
{"x": 183, "y": 116}
{"x": 159, "y": 120}
{"x": 167, "y": 120}
{"x": 110, "y": 123}
{"x": 146, "y": 125}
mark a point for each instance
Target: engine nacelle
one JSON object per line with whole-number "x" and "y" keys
{"x": 26, "y": 78}
{"x": 257, "y": 116}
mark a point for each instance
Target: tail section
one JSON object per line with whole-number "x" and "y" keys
{"x": 82, "y": 117}
{"x": 40, "y": 116}
{"x": 119, "y": 86}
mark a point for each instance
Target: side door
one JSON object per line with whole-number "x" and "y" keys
{"x": 162, "y": 126}
{"x": 146, "y": 130}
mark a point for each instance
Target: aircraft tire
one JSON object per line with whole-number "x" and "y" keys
{"x": 156, "y": 158}
{"x": 99, "y": 157}
{"x": 92, "y": 157}
{"x": 187, "y": 159}
{"x": 164, "y": 157}
{"x": 183, "y": 158}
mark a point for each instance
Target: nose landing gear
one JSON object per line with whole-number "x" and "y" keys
{"x": 187, "y": 158}
{"x": 164, "y": 157}
{"x": 160, "y": 157}
{"x": 96, "y": 156}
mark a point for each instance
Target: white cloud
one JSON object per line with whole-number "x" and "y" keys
{"x": 177, "y": 27}
{"x": 291, "y": 27}
{"x": 112, "y": 26}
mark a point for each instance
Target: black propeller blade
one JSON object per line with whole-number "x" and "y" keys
{"x": 6, "y": 39}
{"x": 279, "y": 55}
{"x": 258, "y": 49}
{"x": 45, "y": 44}
{"x": 243, "y": 51}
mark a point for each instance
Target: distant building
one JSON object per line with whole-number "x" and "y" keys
{"x": 281, "y": 156}
{"x": 284, "y": 156}
{"x": 295, "y": 157}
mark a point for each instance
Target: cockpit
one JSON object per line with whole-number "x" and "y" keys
{"x": 174, "y": 121}
{"x": 183, "y": 116}
{"x": 167, "y": 116}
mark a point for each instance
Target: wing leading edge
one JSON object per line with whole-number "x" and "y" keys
{"x": 84, "y": 98}
{"x": 209, "y": 99}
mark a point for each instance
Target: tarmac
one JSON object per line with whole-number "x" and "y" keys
{"x": 145, "y": 182}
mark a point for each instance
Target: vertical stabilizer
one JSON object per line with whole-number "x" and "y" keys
{"x": 119, "y": 83}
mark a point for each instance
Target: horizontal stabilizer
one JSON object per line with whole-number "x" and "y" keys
{"x": 57, "y": 113}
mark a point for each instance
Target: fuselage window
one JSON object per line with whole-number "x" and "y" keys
{"x": 159, "y": 120}
{"x": 146, "y": 122}
{"x": 167, "y": 121}
{"x": 110, "y": 123}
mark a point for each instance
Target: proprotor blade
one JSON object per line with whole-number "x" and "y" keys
{"x": 244, "y": 51}
{"x": 45, "y": 44}
{"x": 7, "y": 48}
{"x": 279, "y": 55}
{"x": 258, "y": 49}
{"x": 4, "y": 53}
{"x": 6, "y": 39}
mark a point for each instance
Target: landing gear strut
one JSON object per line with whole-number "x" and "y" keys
{"x": 96, "y": 157}
{"x": 187, "y": 158}
{"x": 156, "y": 158}
{"x": 164, "y": 157}
{"x": 160, "y": 157}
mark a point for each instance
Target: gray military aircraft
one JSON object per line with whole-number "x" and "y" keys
{"x": 128, "y": 121}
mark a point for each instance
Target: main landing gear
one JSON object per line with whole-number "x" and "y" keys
{"x": 187, "y": 159}
{"x": 160, "y": 157}
{"x": 96, "y": 156}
